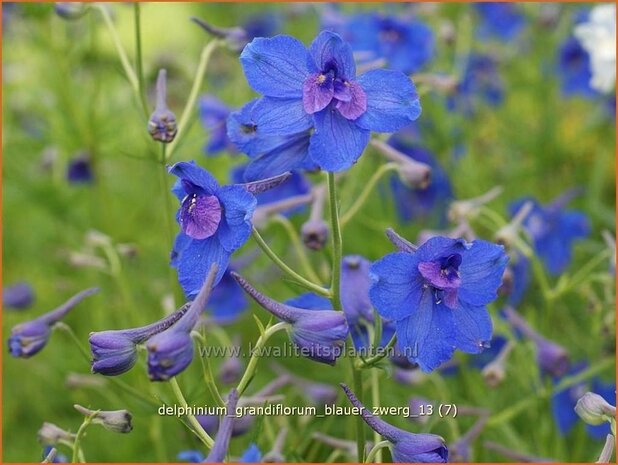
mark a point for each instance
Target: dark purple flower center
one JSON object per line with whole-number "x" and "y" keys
{"x": 443, "y": 276}
{"x": 200, "y": 215}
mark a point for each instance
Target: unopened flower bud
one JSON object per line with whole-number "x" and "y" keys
{"x": 234, "y": 37}
{"x": 117, "y": 421}
{"x": 412, "y": 173}
{"x": 71, "y": 10}
{"x": 18, "y": 296}
{"x": 162, "y": 124}
{"x": 594, "y": 410}
{"x": 508, "y": 234}
{"x": 314, "y": 231}
{"x": 494, "y": 372}
{"x": 50, "y": 434}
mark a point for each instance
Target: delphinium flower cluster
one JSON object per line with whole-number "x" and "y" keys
{"x": 352, "y": 244}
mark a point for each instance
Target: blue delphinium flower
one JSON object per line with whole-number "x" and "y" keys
{"x": 553, "y": 229}
{"x": 563, "y": 403}
{"x": 519, "y": 266}
{"x": 171, "y": 351}
{"x": 262, "y": 25}
{"x": 18, "y": 296}
{"x": 30, "y": 337}
{"x": 318, "y": 89}
{"x": 437, "y": 297}
{"x": 319, "y": 334}
{"x": 251, "y": 455}
{"x": 501, "y": 20}
{"x": 214, "y": 220}
{"x": 405, "y": 45}
{"x": 79, "y": 170}
{"x": 213, "y": 115}
{"x": 479, "y": 81}
{"x": 407, "y": 447}
{"x": 574, "y": 69}
{"x": 115, "y": 351}
{"x": 412, "y": 203}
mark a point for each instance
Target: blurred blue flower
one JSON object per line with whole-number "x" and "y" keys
{"x": 563, "y": 402}
{"x": 501, "y": 20}
{"x": 319, "y": 334}
{"x": 574, "y": 69}
{"x": 262, "y": 25}
{"x": 318, "y": 89}
{"x": 437, "y": 297}
{"x": 407, "y": 447}
{"x": 213, "y": 115}
{"x": 214, "y": 220}
{"x": 519, "y": 266}
{"x": 227, "y": 300}
{"x": 59, "y": 458}
{"x": 29, "y": 338}
{"x": 412, "y": 203}
{"x": 79, "y": 170}
{"x": 479, "y": 81}
{"x": 489, "y": 354}
{"x": 251, "y": 455}
{"x": 191, "y": 456}
{"x": 553, "y": 229}
{"x": 18, "y": 296}
{"x": 406, "y": 45}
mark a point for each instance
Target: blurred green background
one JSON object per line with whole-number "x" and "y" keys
{"x": 64, "y": 92}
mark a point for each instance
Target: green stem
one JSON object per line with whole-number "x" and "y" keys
{"x": 368, "y": 362}
{"x": 285, "y": 268}
{"x": 209, "y": 379}
{"x": 138, "y": 58}
{"x": 255, "y": 355}
{"x": 367, "y": 190}
{"x": 195, "y": 89}
{"x": 298, "y": 246}
{"x": 79, "y": 436}
{"x": 375, "y": 401}
{"x": 167, "y": 214}
{"x": 335, "y": 286}
{"x": 360, "y": 432}
{"x": 197, "y": 428}
{"x": 582, "y": 274}
{"x": 376, "y": 452}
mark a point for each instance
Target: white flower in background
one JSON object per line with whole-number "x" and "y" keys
{"x": 598, "y": 37}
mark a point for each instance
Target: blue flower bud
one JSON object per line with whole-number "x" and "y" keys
{"x": 171, "y": 351}
{"x": 162, "y": 124}
{"x": 79, "y": 170}
{"x": 117, "y": 421}
{"x": 18, "y": 296}
{"x": 115, "y": 351}
{"x": 319, "y": 334}
{"x": 222, "y": 441}
{"x": 234, "y": 37}
{"x": 30, "y": 337}
{"x": 407, "y": 447}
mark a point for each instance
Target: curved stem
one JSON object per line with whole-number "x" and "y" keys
{"x": 285, "y": 268}
{"x": 255, "y": 355}
{"x": 195, "y": 89}
{"x": 376, "y": 451}
{"x": 368, "y": 362}
{"x": 364, "y": 195}
{"x": 298, "y": 246}
{"x": 360, "y": 432}
{"x": 197, "y": 428}
{"x": 335, "y": 287}
{"x": 375, "y": 400}
{"x": 138, "y": 57}
{"x": 209, "y": 378}
{"x": 77, "y": 454}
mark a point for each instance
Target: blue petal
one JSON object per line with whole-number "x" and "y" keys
{"x": 227, "y": 300}
{"x": 238, "y": 207}
{"x": 194, "y": 263}
{"x": 563, "y": 409}
{"x": 310, "y": 301}
{"x": 280, "y": 117}
{"x": 288, "y": 156}
{"x": 438, "y": 247}
{"x": 427, "y": 336}
{"x": 276, "y": 67}
{"x": 180, "y": 243}
{"x": 481, "y": 273}
{"x": 337, "y": 142}
{"x": 196, "y": 175}
{"x": 392, "y": 101}
{"x": 328, "y": 47}
{"x": 251, "y": 455}
{"x": 397, "y": 285}
{"x": 473, "y": 328}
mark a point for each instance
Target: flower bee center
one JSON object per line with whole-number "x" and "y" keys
{"x": 200, "y": 215}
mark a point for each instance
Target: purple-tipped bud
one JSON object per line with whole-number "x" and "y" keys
{"x": 594, "y": 410}
{"x": 407, "y": 447}
{"x": 18, "y": 296}
{"x": 263, "y": 185}
{"x": 235, "y": 37}
{"x": 162, "y": 123}
{"x": 171, "y": 351}
{"x": 71, "y": 10}
{"x": 50, "y": 434}
{"x": 115, "y": 351}
{"x": 314, "y": 231}
{"x": 222, "y": 441}
{"x": 414, "y": 174}
{"x": 30, "y": 337}
{"x": 117, "y": 421}
{"x": 320, "y": 334}
{"x": 403, "y": 245}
